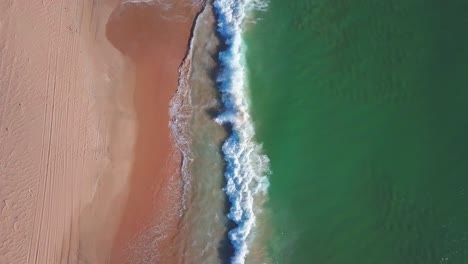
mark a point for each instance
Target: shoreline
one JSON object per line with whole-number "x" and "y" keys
{"x": 149, "y": 223}
{"x": 181, "y": 110}
{"x": 91, "y": 110}
{"x": 206, "y": 168}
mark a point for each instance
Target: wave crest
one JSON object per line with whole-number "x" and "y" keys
{"x": 246, "y": 166}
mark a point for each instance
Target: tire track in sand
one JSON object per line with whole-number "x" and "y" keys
{"x": 53, "y": 153}
{"x": 54, "y": 212}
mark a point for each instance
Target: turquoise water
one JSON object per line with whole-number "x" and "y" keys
{"x": 361, "y": 107}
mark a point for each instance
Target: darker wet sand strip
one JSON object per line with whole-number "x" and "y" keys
{"x": 155, "y": 38}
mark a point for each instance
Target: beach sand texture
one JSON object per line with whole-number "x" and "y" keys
{"x": 156, "y": 38}
{"x": 76, "y": 111}
{"x": 65, "y": 109}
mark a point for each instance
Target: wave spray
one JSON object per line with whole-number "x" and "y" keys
{"x": 246, "y": 166}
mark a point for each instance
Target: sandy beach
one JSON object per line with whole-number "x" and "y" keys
{"x": 88, "y": 170}
{"x": 67, "y": 132}
{"x": 156, "y": 38}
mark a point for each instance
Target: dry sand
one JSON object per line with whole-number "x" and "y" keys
{"x": 68, "y": 128}
{"x": 66, "y": 131}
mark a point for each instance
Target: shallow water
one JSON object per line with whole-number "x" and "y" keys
{"x": 204, "y": 222}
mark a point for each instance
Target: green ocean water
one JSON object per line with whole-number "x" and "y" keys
{"x": 362, "y": 107}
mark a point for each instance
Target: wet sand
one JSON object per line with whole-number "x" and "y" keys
{"x": 155, "y": 38}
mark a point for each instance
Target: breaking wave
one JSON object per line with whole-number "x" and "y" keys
{"x": 246, "y": 166}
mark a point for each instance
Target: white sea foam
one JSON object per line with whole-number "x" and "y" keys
{"x": 246, "y": 166}
{"x": 180, "y": 112}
